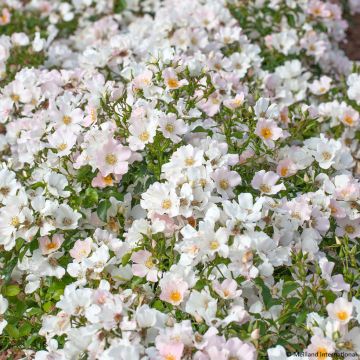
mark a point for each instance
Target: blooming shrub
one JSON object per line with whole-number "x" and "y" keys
{"x": 178, "y": 180}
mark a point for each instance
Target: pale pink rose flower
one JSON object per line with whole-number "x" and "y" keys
{"x": 142, "y": 80}
{"x": 144, "y": 265}
{"x": 47, "y": 245}
{"x": 101, "y": 181}
{"x": 171, "y": 79}
{"x": 286, "y": 168}
{"x": 227, "y": 289}
{"x": 321, "y": 346}
{"x": 245, "y": 155}
{"x": 173, "y": 291}
{"x": 81, "y": 249}
{"x": 5, "y": 17}
{"x": 171, "y": 351}
{"x": 266, "y": 182}
{"x": 268, "y": 131}
{"x": 235, "y": 102}
{"x": 113, "y": 158}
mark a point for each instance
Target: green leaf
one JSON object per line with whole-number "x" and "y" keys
{"x": 158, "y": 305}
{"x": 48, "y": 306}
{"x": 85, "y": 173}
{"x": 8, "y": 269}
{"x": 329, "y": 296}
{"x": 200, "y": 284}
{"x": 25, "y": 329}
{"x": 288, "y": 287}
{"x": 11, "y": 290}
{"x": 118, "y": 196}
{"x": 291, "y": 20}
{"x": 119, "y": 6}
{"x": 102, "y": 210}
{"x": 125, "y": 259}
{"x": 300, "y": 319}
{"x": 90, "y": 198}
{"x": 268, "y": 300}
{"x": 12, "y": 331}
{"x": 34, "y": 311}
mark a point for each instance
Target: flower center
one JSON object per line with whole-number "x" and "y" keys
{"x": 226, "y": 293}
{"x": 321, "y": 353}
{"x": 4, "y": 191}
{"x": 224, "y": 184}
{"x": 202, "y": 182}
{"x": 108, "y": 180}
{"x": 266, "y": 133}
{"x": 93, "y": 115}
{"x": 15, "y": 98}
{"x": 66, "y": 120}
{"x": 149, "y": 263}
{"x": 111, "y": 159}
{"x": 169, "y": 357}
{"x": 189, "y": 161}
{"x": 169, "y": 128}
{"x": 175, "y": 296}
{"x": 51, "y": 245}
{"x": 144, "y": 136}
{"x": 62, "y": 147}
{"x": 284, "y": 171}
{"x": 67, "y": 221}
{"x": 326, "y": 155}
{"x": 214, "y": 245}
{"x": 166, "y": 204}
{"x": 15, "y": 221}
{"x": 348, "y": 120}
{"x": 173, "y": 83}
{"x": 265, "y": 188}
{"x": 349, "y": 229}
{"x": 342, "y": 315}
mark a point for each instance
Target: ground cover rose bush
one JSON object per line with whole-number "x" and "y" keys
{"x": 178, "y": 180}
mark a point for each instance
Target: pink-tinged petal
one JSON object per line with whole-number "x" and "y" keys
{"x": 139, "y": 270}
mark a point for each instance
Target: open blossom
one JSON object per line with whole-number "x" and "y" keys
{"x": 113, "y": 158}
{"x": 162, "y": 199}
{"x": 8, "y": 185}
{"x": 171, "y": 79}
{"x": 101, "y": 181}
{"x": 236, "y": 102}
{"x": 348, "y": 227}
{"x": 172, "y": 128}
{"x": 49, "y": 245}
{"x": 5, "y": 17}
{"x": 322, "y": 346}
{"x": 142, "y": 80}
{"x": 321, "y": 86}
{"x": 171, "y": 351}
{"x": 266, "y": 182}
{"x": 227, "y": 289}
{"x": 142, "y": 133}
{"x": 349, "y": 117}
{"x": 340, "y": 310}
{"x": 173, "y": 290}
{"x": 144, "y": 265}
{"x": 62, "y": 140}
{"x": 286, "y": 168}
{"x": 66, "y": 218}
{"x": 226, "y": 181}
{"x": 268, "y": 131}
{"x": 81, "y": 249}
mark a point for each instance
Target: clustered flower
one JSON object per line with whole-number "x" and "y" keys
{"x": 178, "y": 180}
